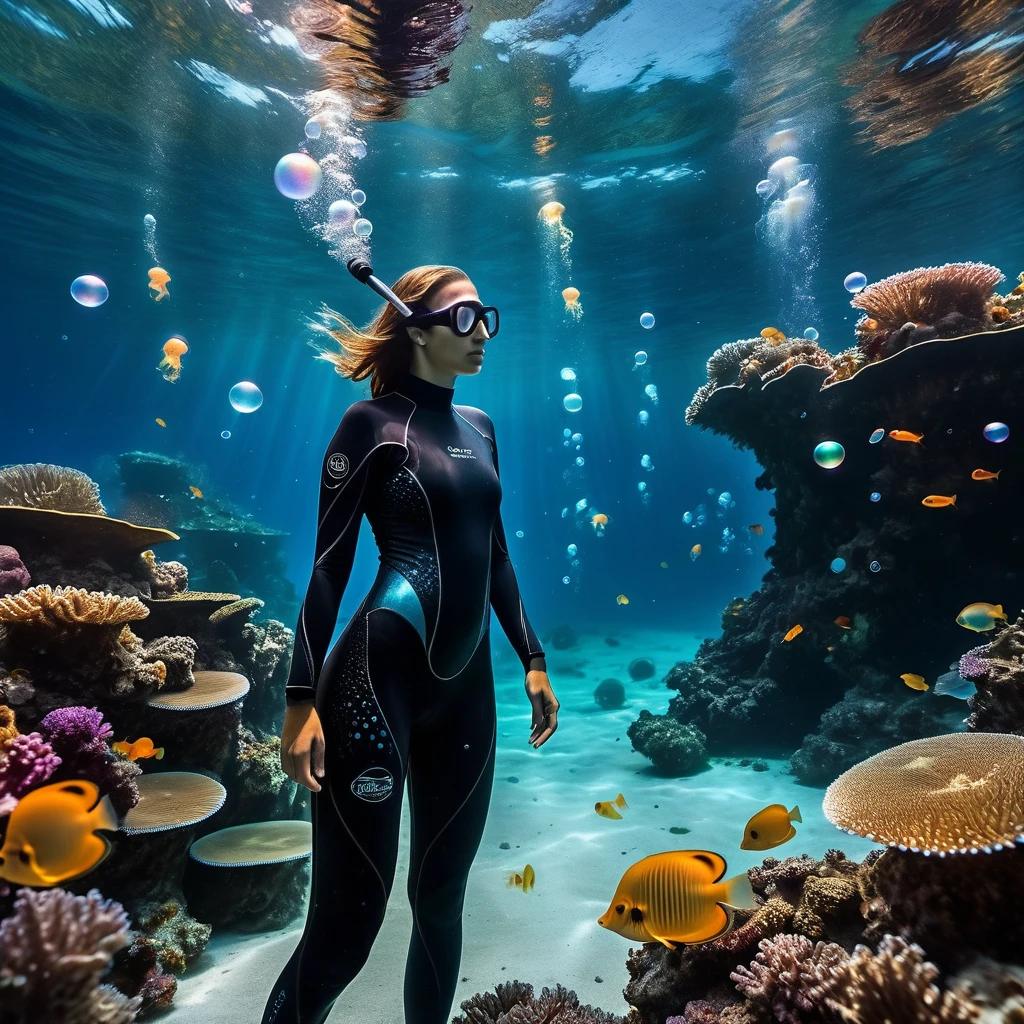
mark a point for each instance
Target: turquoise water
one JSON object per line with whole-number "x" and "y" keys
{"x": 651, "y": 122}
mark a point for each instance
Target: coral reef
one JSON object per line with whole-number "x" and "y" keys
{"x": 58, "y": 488}
{"x": 673, "y": 748}
{"x": 177, "y": 937}
{"x": 13, "y": 574}
{"x": 264, "y": 653}
{"x": 997, "y": 671}
{"x": 166, "y": 578}
{"x": 834, "y": 694}
{"x": 26, "y": 761}
{"x": 513, "y": 1002}
{"x": 136, "y": 972}
{"x": 53, "y": 951}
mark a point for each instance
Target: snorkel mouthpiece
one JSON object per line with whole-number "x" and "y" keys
{"x": 361, "y": 270}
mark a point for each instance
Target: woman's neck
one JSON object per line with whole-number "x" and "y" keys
{"x": 422, "y": 369}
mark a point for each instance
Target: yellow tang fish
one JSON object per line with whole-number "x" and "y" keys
{"x": 195, "y": 490}
{"x": 522, "y": 881}
{"x": 985, "y": 474}
{"x": 770, "y": 828}
{"x": 141, "y": 748}
{"x": 795, "y": 631}
{"x": 695, "y": 552}
{"x": 51, "y": 834}
{"x": 606, "y": 808}
{"x": 160, "y": 422}
{"x": 677, "y": 897}
{"x": 980, "y": 616}
{"x": 158, "y": 278}
{"x": 914, "y": 681}
{"x": 906, "y": 435}
{"x": 622, "y": 599}
{"x": 939, "y": 501}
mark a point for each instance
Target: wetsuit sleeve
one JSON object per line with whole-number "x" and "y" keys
{"x": 343, "y": 479}
{"x": 505, "y": 597}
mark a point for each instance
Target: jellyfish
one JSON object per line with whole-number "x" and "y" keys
{"x": 581, "y": 504}
{"x": 568, "y": 373}
{"x": 174, "y": 348}
{"x": 572, "y": 302}
{"x": 158, "y": 278}
{"x": 645, "y": 461}
{"x": 651, "y": 392}
{"x": 642, "y": 418}
{"x": 550, "y": 214}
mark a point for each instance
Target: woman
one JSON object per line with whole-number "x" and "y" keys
{"x": 407, "y": 690}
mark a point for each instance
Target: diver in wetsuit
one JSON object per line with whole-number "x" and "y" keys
{"x": 407, "y": 691}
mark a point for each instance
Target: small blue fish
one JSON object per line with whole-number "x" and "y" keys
{"x": 952, "y": 684}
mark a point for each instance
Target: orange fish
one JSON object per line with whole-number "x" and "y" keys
{"x": 695, "y": 552}
{"x": 141, "y": 748}
{"x": 830, "y": 648}
{"x": 868, "y": 325}
{"x": 606, "y": 808}
{"x": 843, "y": 621}
{"x": 51, "y": 834}
{"x": 1000, "y": 314}
{"x": 522, "y": 881}
{"x": 195, "y": 490}
{"x": 939, "y": 501}
{"x": 160, "y": 422}
{"x": 158, "y": 278}
{"x": 770, "y": 827}
{"x": 984, "y": 474}
{"x": 914, "y": 681}
{"x": 795, "y": 631}
{"x": 906, "y": 435}
{"x": 757, "y": 529}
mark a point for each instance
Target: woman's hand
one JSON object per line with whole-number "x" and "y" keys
{"x": 545, "y": 707}
{"x": 302, "y": 746}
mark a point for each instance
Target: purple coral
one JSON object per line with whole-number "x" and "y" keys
{"x": 79, "y": 736}
{"x": 27, "y": 762}
{"x": 972, "y": 666}
{"x": 13, "y": 574}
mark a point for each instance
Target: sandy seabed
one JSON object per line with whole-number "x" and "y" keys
{"x": 549, "y": 935}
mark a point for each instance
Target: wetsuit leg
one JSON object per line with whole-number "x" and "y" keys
{"x": 379, "y": 660}
{"x": 451, "y": 769}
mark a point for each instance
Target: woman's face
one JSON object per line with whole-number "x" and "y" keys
{"x": 446, "y": 351}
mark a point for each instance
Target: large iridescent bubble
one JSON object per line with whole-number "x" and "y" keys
{"x": 89, "y": 290}
{"x": 245, "y": 397}
{"x": 572, "y": 402}
{"x": 646, "y": 321}
{"x": 996, "y": 432}
{"x": 829, "y": 454}
{"x": 855, "y": 282}
{"x": 342, "y": 214}
{"x": 297, "y": 176}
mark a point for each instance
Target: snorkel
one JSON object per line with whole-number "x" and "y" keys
{"x": 362, "y": 271}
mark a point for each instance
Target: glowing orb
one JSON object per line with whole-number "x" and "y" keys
{"x": 89, "y": 290}
{"x": 245, "y": 397}
{"x": 362, "y": 228}
{"x": 640, "y": 358}
{"x": 313, "y": 128}
{"x": 572, "y": 402}
{"x": 358, "y": 196}
{"x": 829, "y": 454}
{"x": 646, "y": 321}
{"x": 855, "y": 282}
{"x": 994, "y": 432}
{"x": 342, "y": 214}
{"x": 838, "y": 564}
{"x": 297, "y": 176}
{"x": 810, "y": 334}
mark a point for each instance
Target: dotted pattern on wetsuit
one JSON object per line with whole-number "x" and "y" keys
{"x": 354, "y": 714}
{"x": 401, "y": 498}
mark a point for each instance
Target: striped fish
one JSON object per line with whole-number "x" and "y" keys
{"x": 677, "y": 897}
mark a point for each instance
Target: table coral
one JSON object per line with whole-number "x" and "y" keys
{"x": 53, "y": 950}
{"x": 13, "y": 574}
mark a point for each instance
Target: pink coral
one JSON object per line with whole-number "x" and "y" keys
{"x": 27, "y": 762}
{"x": 13, "y": 574}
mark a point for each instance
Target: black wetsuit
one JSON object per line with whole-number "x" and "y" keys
{"x": 406, "y": 692}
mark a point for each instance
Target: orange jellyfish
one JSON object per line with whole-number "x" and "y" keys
{"x": 572, "y": 302}
{"x": 174, "y": 348}
{"x": 158, "y": 278}
{"x": 550, "y": 215}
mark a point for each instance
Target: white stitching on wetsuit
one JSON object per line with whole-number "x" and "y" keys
{"x": 423, "y": 859}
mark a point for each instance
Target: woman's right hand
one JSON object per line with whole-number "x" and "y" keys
{"x": 302, "y": 746}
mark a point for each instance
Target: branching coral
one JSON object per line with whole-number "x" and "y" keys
{"x": 515, "y": 1003}
{"x": 26, "y": 762}
{"x": 13, "y": 574}
{"x": 896, "y": 984}
{"x": 785, "y": 973}
{"x": 53, "y": 951}
{"x": 38, "y": 485}
{"x": 69, "y": 606}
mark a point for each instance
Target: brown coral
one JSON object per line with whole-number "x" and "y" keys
{"x": 39, "y": 485}
{"x": 8, "y": 730}
{"x": 896, "y": 984}
{"x": 943, "y": 794}
{"x": 69, "y": 606}
{"x": 167, "y": 577}
{"x": 928, "y": 294}
{"x": 242, "y": 607}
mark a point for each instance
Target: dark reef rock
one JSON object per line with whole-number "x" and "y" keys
{"x": 673, "y": 748}
{"x": 641, "y": 668}
{"x": 610, "y": 694}
{"x": 997, "y": 671}
{"x": 836, "y": 693}
{"x": 561, "y": 637}
{"x": 262, "y": 898}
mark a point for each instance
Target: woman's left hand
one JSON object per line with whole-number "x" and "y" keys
{"x": 545, "y": 707}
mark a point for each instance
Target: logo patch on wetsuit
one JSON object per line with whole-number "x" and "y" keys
{"x": 374, "y": 785}
{"x": 461, "y": 453}
{"x": 337, "y": 465}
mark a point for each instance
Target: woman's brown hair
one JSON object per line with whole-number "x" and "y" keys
{"x": 382, "y": 350}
